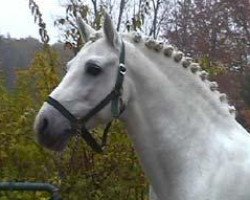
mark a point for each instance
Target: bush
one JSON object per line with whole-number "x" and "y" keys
{"x": 79, "y": 172}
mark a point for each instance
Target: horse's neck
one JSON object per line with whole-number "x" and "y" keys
{"x": 170, "y": 97}
{"x": 166, "y": 111}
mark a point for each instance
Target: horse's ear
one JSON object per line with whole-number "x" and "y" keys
{"x": 110, "y": 32}
{"x": 84, "y": 29}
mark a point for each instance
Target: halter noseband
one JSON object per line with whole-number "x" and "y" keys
{"x": 117, "y": 107}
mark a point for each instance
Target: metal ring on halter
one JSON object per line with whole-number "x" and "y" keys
{"x": 122, "y": 68}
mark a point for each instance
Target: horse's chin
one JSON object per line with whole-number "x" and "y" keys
{"x": 59, "y": 146}
{"x": 55, "y": 144}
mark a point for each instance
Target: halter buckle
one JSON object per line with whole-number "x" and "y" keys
{"x": 122, "y": 69}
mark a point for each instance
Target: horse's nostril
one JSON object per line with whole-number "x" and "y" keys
{"x": 44, "y": 125}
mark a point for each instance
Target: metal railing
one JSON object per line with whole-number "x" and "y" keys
{"x": 29, "y": 186}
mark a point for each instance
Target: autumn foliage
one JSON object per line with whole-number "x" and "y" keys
{"x": 79, "y": 172}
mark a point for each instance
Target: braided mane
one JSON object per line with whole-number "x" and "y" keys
{"x": 178, "y": 57}
{"x": 186, "y": 62}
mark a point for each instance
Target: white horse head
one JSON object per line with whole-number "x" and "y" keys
{"x": 189, "y": 145}
{"x": 91, "y": 75}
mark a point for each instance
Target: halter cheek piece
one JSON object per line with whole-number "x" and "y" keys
{"x": 78, "y": 125}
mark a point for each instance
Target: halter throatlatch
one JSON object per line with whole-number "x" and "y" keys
{"x": 79, "y": 125}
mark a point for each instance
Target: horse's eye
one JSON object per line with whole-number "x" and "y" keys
{"x": 93, "y": 69}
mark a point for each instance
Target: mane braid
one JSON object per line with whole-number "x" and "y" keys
{"x": 186, "y": 62}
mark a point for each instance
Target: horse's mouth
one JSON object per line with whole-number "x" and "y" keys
{"x": 55, "y": 143}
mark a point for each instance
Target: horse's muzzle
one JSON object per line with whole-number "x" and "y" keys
{"x": 52, "y": 132}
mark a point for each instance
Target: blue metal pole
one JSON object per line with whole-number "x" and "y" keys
{"x": 28, "y": 186}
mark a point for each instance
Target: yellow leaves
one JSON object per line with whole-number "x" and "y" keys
{"x": 211, "y": 67}
{"x": 43, "y": 75}
{"x": 3, "y": 155}
{"x": 22, "y": 121}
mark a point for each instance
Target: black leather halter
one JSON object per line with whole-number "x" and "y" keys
{"x": 79, "y": 125}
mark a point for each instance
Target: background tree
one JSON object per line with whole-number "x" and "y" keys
{"x": 246, "y": 89}
{"x": 146, "y": 16}
{"x": 217, "y": 29}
